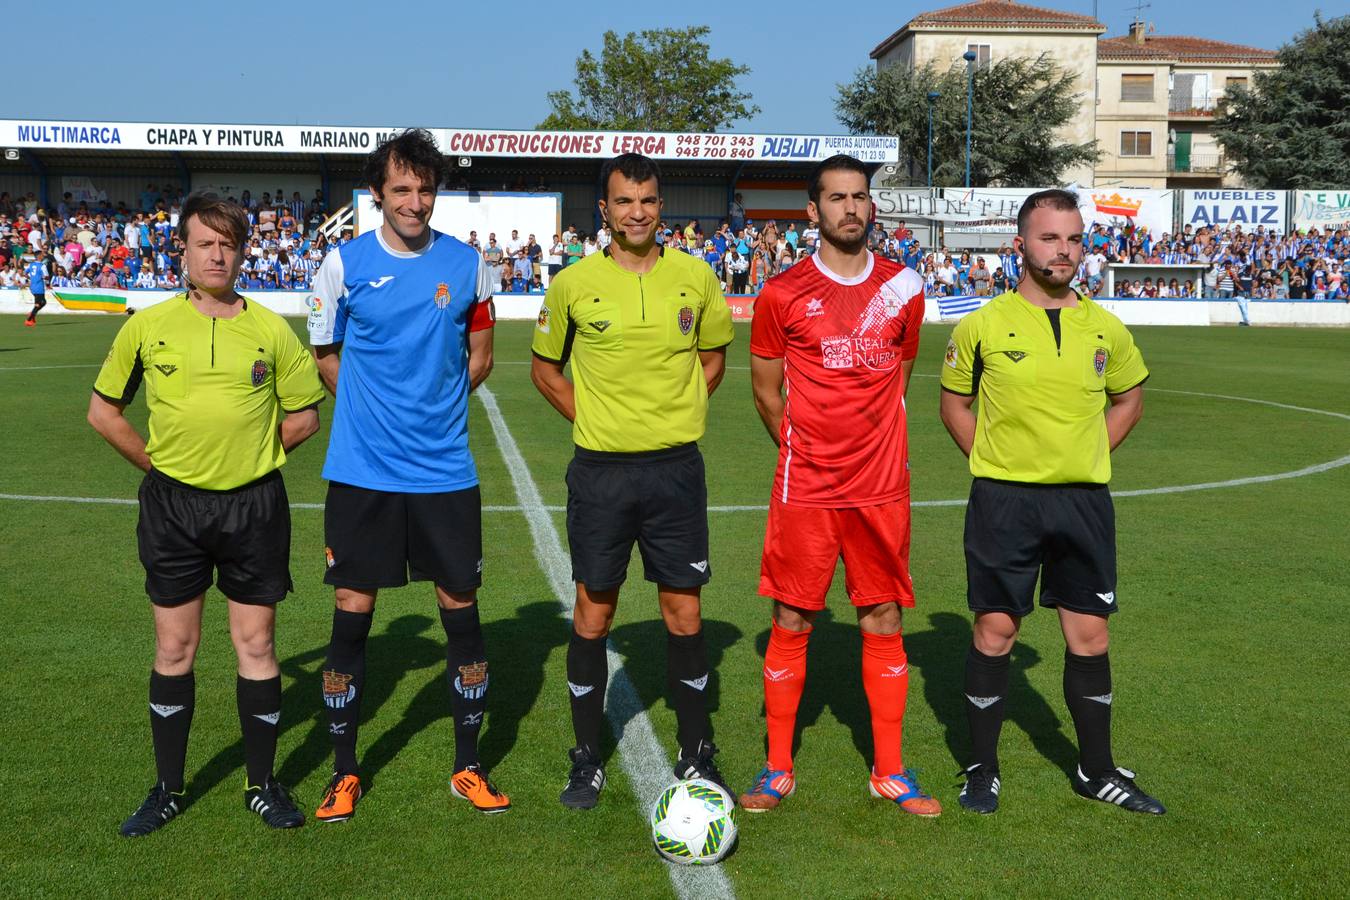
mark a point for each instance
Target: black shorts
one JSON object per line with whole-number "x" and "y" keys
{"x": 658, "y": 498}
{"x": 1066, "y": 534}
{"x": 187, "y": 534}
{"x": 379, "y": 539}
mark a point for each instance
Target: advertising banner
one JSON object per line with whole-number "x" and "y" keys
{"x": 1322, "y": 209}
{"x": 1224, "y": 209}
{"x": 1149, "y": 208}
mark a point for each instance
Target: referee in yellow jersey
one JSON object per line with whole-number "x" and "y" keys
{"x": 230, "y": 390}
{"x": 646, "y": 332}
{"x": 1044, "y": 362}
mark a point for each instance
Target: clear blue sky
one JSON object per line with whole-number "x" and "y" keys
{"x": 468, "y": 64}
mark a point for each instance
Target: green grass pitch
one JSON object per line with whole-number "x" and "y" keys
{"x": 1228, "y": 658}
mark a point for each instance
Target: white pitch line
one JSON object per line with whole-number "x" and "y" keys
{"x": 40, "y": 368}
{"x": 1314, "y": 469}
{"x": 640, "y": 753}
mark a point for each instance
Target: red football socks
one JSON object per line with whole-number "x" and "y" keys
{"x": 784, "y": 679}
{"x": 885, "y": 676}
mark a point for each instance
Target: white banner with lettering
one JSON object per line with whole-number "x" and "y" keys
{"x": 1225, "y": 209}
{"x": 1322, "y": 209}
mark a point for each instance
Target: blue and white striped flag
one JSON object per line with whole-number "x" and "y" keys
{"x": 956, "y": 307}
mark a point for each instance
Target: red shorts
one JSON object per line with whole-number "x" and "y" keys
{"x": 802, "y": 545}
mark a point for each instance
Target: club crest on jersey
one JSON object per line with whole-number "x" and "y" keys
{"x": 258, "y": 373}
{"x": 1099, "y": 361}
{"x": 472, "y": 680}
{"x": 337, "y": 689}
{"x": 442, "y": 298}
{"x": 891, "y": 301}
{"x": 686, "y": 319}
{"x": 837, "y": 352}
{"x": 542, "y": 322}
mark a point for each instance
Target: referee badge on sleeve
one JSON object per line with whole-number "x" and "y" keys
{"x": 952, "y": 353}
{"x": 542, "y": 321}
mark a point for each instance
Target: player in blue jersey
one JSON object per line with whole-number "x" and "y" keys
{"x": 405, "y": 315}
{"x": 36, "y": 271}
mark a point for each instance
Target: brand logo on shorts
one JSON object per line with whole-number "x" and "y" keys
{"x": 165, "y": 369}
{"x": 1099, "y": 361}
{"x": 701, "y": 565}
{"x": 328, "y": 556}
{"x": 777, "y": 675}
{"x": 442, "y": 298}
{"x": 1108, "y": 597}
{"x": 338, "y": 690}
{"x": 698, "y": 683}
{"x": 686, "y": 319}
{"x": 472, "y": 680}
{"x": 479, "y": 569}
{"x": 258, "y": 374}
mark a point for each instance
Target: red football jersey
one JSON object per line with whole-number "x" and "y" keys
{"x": 843, "y": 440}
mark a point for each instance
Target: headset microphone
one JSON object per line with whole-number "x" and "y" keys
{"x": 1047, "y": 271}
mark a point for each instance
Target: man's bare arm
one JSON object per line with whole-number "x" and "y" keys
{"x": 298, "y": 427}
{"x": 328, "y": 357}
{"x": 714, "y": 364}
{"x": 959, "y": 417}
{"x": 766, "y": 381}
{"x": 108, "y": 420}
{"x": 480, "y": 356}
{"x": 548, "y": 377}
{"x": 1123, "y": 414}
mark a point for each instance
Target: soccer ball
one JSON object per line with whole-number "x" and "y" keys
{"x": 693, "y": 823}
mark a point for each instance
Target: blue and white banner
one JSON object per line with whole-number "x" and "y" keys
{"x": 956, "y": 307}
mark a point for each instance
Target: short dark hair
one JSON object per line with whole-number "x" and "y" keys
{"x": 415, "y": 149}
{"x": 838, "y": 162}
{"x": 634, "y": 167}
{"x": 216, "y": 213}
{"x": 1054, "y": 198}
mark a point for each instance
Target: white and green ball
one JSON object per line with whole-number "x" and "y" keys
{"x": 693, "y": 823}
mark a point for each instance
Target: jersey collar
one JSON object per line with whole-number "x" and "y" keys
{"x": 840, "y": 279}
{"x": 403, "y": 254}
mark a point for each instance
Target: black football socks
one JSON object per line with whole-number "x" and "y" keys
{"x": 172, "y": 702}
{"x": 344, "y": 676}
{"x": 1087, "y": 692}
{"x": 259, "y": 705}
{"x": 587, "y": 680}
{"x": 466, "y": 673}
{"x": 986, "y": 693}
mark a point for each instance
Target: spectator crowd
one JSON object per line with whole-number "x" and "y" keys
{"x": 98, "y": 244}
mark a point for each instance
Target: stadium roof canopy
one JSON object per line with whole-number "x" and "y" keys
{"x": 100, "y": 146}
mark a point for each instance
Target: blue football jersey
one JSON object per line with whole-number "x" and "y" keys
{"x": 401, "y": 421}
{"x": 37, "y": 277}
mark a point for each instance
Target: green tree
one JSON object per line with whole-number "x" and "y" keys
{"x": 1292, "y": 128}
{"x": 1020, "y": 105}
{"x": 659, "y": 80}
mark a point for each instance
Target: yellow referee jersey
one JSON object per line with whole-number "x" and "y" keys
{"x": 1042, "y": 395}
{"x": 633, "y": 341}
{"x": 216, "y": 388}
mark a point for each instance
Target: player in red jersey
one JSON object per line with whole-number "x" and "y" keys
{"x": 833, "y": 343}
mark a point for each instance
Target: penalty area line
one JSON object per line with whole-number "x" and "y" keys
{"x": 640, "y": 753}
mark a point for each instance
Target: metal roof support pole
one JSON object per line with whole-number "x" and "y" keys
{"x": 731, "y": 188}
{"x": 183, "y": 172}
{"x": 325, "y": 181}
{"x": 41, "y": 171}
